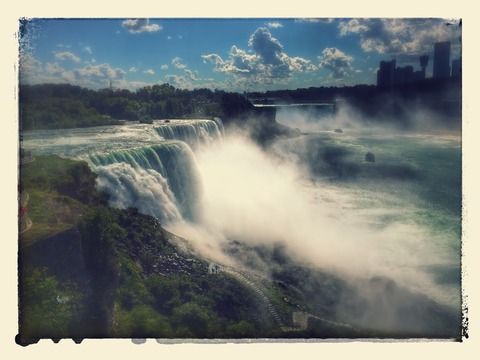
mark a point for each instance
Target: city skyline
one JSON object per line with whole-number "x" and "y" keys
{"x": 228, "y": 54}
{"x": 444, "y": 67}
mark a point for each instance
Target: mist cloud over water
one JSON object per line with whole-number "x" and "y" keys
{"x": 256, "y": 198}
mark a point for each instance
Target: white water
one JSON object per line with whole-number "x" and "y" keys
{"x": 148, "y": 166}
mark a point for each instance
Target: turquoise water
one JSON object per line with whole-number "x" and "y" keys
{"x": 414, "y": 183}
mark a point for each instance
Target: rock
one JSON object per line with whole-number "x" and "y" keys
{"x": 370, "y": 157}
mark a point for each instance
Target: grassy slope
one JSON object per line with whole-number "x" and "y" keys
{"x": 158, "y": 290}
{"x": 55, "y": 203}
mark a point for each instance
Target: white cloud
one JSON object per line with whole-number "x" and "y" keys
{"x": 33, "y": 71}
{"x": 66, "y": 56}
{"x": 137, "y": 26}
{"x": 266, "y": 63}
{"x": 149, "y": 72}
{"x": 87, "y": 49}
{"x": 189, "y": 78}
{"x": 169, "y": 37}
{"x": 400, "y": 36}
{"x": 98, "y": 73}
{"x": 191, "y": 75}
{"x": 133, "y": 69}
{"x": 336, "y": 61}
{"x": 274, "y": 25}
{"x": 315, "y": 20}
{"x": 177, "y": 63}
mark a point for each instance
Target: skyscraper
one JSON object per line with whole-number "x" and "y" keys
{"x": 423, "y": 65}
{"x": 441, "y": 60}
{"x": 385, "y": 74}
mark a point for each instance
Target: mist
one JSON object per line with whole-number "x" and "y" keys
{"x": 261, "y": 199}
{"x": 408, "y": 117}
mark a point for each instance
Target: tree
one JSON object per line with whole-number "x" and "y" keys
{"x": 100, "y": 235}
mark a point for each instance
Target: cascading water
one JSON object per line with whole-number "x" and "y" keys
{"x": 150, "y": 167}
{"x": 169, "y": 167}
{"x": 193, "y": 133}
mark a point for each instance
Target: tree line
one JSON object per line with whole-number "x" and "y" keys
{"x": 51, "y": 106}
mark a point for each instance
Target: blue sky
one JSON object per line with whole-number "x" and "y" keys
{"x": 230, "y": 54}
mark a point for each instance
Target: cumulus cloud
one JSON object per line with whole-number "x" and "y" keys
{"x": 178, "y": 81}
{"x": 87, "y": 49}
{"x": 66, "y": 56}
{"x": 191, "y": 75}
{"x": 266, "y": 63}
{"x": 149, "y": 72}
{"x": 177, "y": 63}
{"x": 336, "y": 61}
{"x": 400, "y": 36}
{"x": 266, "y": 46}
{"x": 137, "y": 26}
{"x": 133, "y": 69}
{"x": 98, "y": 74}
{"x": 188, "y": 79}
{"x": 274, "y": 25}
{"x": 33, "y": 71}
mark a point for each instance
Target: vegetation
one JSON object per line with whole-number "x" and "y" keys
{"x": 52, "y": 106}
{"x": 47, "y": 307}
{"x": 60, "y": 192}
{"x": 127, "y": 280}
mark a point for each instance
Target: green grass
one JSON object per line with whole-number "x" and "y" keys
{"x": 60, "y": 192}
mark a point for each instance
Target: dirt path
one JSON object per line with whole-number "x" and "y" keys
{"x": 261, "y": 295}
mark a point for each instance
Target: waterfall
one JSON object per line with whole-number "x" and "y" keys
{"x": 144, "y": 189}
{"x": 160, "y": 180}
{"x": 150, "y": 167}
{"x": 193, "y": 132}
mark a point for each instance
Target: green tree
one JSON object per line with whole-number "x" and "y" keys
{"x": 47, "y": 309}
{"x": 100, "y": 235}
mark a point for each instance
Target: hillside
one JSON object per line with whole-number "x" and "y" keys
{"x": 88, "y": 270}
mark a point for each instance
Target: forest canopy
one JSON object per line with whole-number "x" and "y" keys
{"x": 53, "y": 106}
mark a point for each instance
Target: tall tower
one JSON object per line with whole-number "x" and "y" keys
{"x": 441, "y": 60}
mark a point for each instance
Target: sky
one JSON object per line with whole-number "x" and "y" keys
{"x": 255, "y": 54}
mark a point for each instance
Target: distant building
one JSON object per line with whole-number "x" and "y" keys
{"x": 457, "y": 68}
{"x": 423, "y": 64}
{"x": 418, "y": 75}
{"x": 403, "y": 75}
{"x": 386, "y": 74}
{"x": 441, "y": 60}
